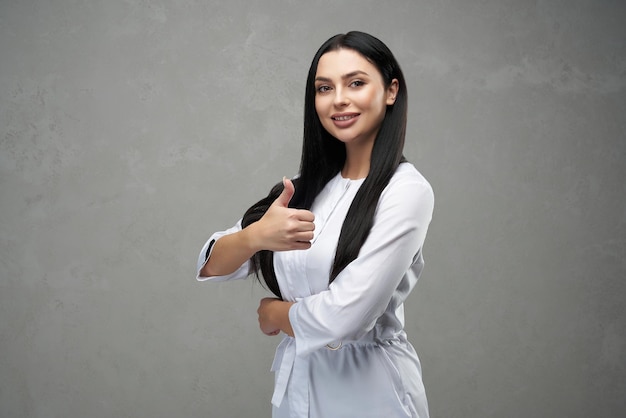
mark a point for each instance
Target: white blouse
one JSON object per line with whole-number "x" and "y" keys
{"x": 350, "y": 356}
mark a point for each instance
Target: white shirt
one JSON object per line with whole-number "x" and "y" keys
{"x": 375, "y": 371}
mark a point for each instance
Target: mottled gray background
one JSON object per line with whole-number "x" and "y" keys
{"x": 131, "y": 130}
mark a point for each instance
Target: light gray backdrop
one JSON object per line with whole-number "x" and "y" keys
{"x": 131, "y": 130}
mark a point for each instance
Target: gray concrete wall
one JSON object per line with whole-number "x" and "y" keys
{"x": 130, "y": 130}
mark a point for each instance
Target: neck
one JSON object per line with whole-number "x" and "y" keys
{"x": 357, "y": 165}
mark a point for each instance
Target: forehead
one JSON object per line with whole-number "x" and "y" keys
{"x": 334, "y": 64}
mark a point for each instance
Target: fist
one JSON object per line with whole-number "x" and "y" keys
{"x": 264, "y": 311}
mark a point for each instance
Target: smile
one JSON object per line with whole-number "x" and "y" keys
{"x": 344, "y": 117}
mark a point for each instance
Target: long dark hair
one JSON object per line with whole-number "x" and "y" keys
{"x": 323, "y": 157}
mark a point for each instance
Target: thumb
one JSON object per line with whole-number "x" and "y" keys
{"x": 287, "y": 193}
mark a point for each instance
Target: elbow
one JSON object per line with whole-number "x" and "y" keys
{"x": 206, "y": 271}
{"x": 354, "y": 323}
{"x": 203, "y": 274}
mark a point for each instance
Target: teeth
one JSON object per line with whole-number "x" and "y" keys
{"x": 343, "y": 117}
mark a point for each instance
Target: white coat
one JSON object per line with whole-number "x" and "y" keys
{"x": 350, "y": 356}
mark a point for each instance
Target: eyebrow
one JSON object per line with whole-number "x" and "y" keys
{"x": 343, "y": 77}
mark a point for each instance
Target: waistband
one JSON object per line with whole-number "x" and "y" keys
{"x": 285, "y": 363}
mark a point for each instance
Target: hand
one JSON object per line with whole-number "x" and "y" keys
{"x": 274, "y": 316}
{"x": 264, "y": 311}
{"x": 282, "y": 228}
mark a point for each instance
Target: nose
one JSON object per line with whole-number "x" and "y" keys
{"x": 341, "y": 99}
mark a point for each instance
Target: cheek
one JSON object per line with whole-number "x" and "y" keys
{"x": 367, "y": 99}
{"x": 377, "y": 98}
{"x": 377, "y": 102}
{"x": 319, "y": 104}
{"x": 321, "y": 108}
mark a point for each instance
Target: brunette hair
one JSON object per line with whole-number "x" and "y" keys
{"x": 323, "y": 157}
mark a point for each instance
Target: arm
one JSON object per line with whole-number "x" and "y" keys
{"x": 362, "y": 291}
{"x": 280, "y": 229}
{"x": 229, "y": 253}
{"x": 205, "y": 253}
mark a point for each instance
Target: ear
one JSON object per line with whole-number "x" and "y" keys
{"x": 392, "y": 91}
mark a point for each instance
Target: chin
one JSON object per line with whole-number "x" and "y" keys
{"x": 343, "y": 137}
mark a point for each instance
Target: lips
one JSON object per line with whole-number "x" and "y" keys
{"x": 344, "y": 120}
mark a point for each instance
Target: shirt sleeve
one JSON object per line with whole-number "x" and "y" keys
{"x": 205, "y": 253}
{"x": 361, "y": 293}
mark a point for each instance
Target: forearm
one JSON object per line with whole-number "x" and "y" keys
{"x": 282, "y": 317}
{"x": 230, "y": 252}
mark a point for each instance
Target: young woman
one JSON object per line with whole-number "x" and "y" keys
{"x": 340, "y": 245}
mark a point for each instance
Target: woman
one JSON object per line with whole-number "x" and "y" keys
{"x": 340, "y": 245}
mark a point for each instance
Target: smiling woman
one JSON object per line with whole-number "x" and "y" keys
{"x": 340, "y": 245}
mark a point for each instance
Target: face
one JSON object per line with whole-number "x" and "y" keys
{"x": 351, "y": 97}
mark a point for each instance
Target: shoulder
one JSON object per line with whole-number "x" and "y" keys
{"x": 408, "y": 179}
{"x": 408, "y": 191}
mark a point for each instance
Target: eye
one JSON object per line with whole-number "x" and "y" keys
{"x": 357, "y": 83}
{"x": 323, "y": 89}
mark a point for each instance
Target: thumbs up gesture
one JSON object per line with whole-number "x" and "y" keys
{"x": 283, "y": 228}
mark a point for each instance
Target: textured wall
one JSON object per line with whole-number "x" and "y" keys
{"x": 130, "y": 130}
